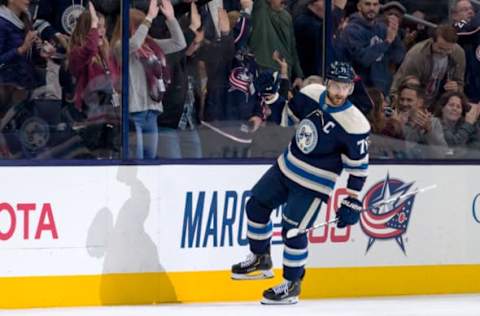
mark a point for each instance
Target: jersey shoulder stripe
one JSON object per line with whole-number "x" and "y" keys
{"x": 313, "y": 91}
{"x": 352, "y": 121}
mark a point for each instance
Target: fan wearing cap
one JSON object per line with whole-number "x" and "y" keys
{"x": 394, "y": 8}
{"x": 410, "y": 33}
{"x": 331, "y": 137}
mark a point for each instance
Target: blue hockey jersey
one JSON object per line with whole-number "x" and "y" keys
{"x": 327, "y": 141}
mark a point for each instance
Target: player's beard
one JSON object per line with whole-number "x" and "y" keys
{"x": 336, "y": 99}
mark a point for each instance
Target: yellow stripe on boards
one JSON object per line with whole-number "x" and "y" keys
{"x": 88, "y": 290}
{"x": 151, "y": 288}
{"x": 389, "y": 281}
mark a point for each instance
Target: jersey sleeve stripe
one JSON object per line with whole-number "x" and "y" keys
{"x": 351, "y": 162}
{"x": 359, "y": 167}
{"x": 357, "y": 172}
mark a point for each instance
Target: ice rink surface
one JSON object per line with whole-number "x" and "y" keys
{"x": 444, "y": 305}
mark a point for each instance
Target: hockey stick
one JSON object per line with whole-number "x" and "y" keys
{"x": 297, "y": 231}
{"x": 226, "y": 134}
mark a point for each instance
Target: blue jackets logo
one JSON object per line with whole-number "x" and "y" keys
{"x": 306, "y": 136}
{"x": 388, "y": 221}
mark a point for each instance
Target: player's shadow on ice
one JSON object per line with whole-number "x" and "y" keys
{"x": 128, "y": 250}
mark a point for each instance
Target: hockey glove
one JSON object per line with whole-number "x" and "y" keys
{"x": 349, "y": 212}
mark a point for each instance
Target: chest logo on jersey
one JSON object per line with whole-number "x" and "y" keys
{"x": 70, "y": 16}
{"x": 306, "y": 136}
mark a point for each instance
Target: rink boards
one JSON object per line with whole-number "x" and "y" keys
{"x": 72, "y": 236}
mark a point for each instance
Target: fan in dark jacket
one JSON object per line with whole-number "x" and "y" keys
{"x": 17, "y": 41}
{"x": 372, "y": 45}
{"x": 309, "y": 34}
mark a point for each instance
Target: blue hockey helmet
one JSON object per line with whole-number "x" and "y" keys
{"x": 340, "y": 71}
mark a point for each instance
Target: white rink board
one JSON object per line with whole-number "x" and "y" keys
{"x": 131, "y": 219}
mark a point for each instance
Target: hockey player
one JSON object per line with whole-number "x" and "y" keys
{"x": 332, "y": 136}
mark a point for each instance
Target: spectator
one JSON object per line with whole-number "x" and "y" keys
{"x": 91, "y": 65}
{"x": 394, "y": 123}
{"x": 148, "y": 72}
{"x": 17, "y": 40}
{"x": 419, "y": 126}
{"x": 180, "y": 6}
{"x": 240, "y": 96}
{"x": 376, "y": 116}
{"x": 178, "y": 134}
{"x": 309, "y": 34}
{"x": 89, "y": 57}
{"x": 439, "y": 62}
{"x": 410, "y": 33}
{"x": 217, "y": 57}
{"x": 459, "y": 121}
{"x": 410, "y": 79}
{"x": 462, "y": 11}
{"x": 241, "y": 25}
{"x": 272, "y": 30}
{"x": 111, "y": 8}
{"x": 372, "y": 44}
{"x": 387, "y": 128}
{"x": 394, "y": 8}
{"x": 437, "y": 11}
{"x": 63, "y": 14}
{"x": 271, "y": 96}
{"x": 55, "y": 21}
{"x": 414, "y": 32}
{"x": 210, "y": 19}
{"x": 467, "y": 24}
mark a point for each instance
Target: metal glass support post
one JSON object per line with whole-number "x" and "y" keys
{"x": 328, "y": 53}
{"x": 125, "y": 14}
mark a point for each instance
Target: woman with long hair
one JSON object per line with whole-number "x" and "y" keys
{"x": 459, "y": 121}
{"x": 90, "y": 63}
{"x": 376, "y": 116}
{"x": 89, "y": 55}
{"x": 149, "y": 75}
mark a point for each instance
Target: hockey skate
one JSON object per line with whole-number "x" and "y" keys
{"x": 283, "y": 294}
{"x": 255, "y": 267}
